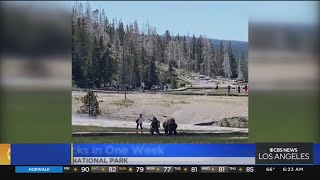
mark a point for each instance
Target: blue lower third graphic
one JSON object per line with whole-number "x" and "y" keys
{"x": 164, "y": 150}
{"x": 40, "y": 154}
{"x": 316, "y": 154}
{"x": 39, "y": 169}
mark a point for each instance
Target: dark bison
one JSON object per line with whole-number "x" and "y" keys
{"x": 170, "y": 126}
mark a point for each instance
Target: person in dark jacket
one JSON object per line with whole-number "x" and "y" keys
{"x": 154, "y": 126}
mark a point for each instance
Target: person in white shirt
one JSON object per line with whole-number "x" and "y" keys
{"x": 139, "y": 122}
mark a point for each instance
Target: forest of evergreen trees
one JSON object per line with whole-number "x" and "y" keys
{"x": 109, "y": 51}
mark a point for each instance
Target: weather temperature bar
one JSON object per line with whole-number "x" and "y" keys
{"x": 159, "y": 169}
{"x": 185, "y": 169}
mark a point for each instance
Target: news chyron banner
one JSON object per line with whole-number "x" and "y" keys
{"x": 163, "y": 154}
{"x": 196, "y": 154}
{"x": 5, "y": 154}
{"x": 160, "y": 154}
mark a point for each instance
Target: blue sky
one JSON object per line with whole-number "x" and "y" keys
{"x": 215, "y": 19}
{"x": 219, "y": 20}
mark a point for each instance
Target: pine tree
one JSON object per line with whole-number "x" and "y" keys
{"x": 240, "y": 68}
{"x": 97, "y": 63}
{"x": 233, "y": 62}
{"x": 172, "y": 75}
{"x": 226, "y": 66}
{"x": 86, "y": 53}
{"x": 136, "y": 71}
{"x": 153, "y": 77}
{"x": 167, "y": 47}
{"x": 208, "y": 55}
{"x": 159, "y": 49}
{"x": 90, "y": 104}
{"x": 121, "y": 33}
{"x": 77, "y": 74}
{"x": 194, "y": 52}
{"x": 187, "y": 53}
{"x": 144, "y": 66}
{"x": 110, "y": 66}
{"x": 219, "y": 60}
{"x": 199, "y": 50}
{"x": 211, "y": 63}
{"x": 244, "y": 67}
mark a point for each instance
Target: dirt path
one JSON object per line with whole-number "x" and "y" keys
{"x": 186, "y": 109}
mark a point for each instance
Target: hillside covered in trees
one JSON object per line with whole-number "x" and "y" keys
{"x": 109, "y": 51}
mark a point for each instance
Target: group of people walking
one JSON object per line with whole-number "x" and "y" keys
{"x": 143, "y": 87}
{"x": 169, "y": 126}
{"x": 238, "y": 89}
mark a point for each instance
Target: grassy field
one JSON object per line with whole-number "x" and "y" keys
{"x": 35, "y": 116}
{"x": 284, "y": 117}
